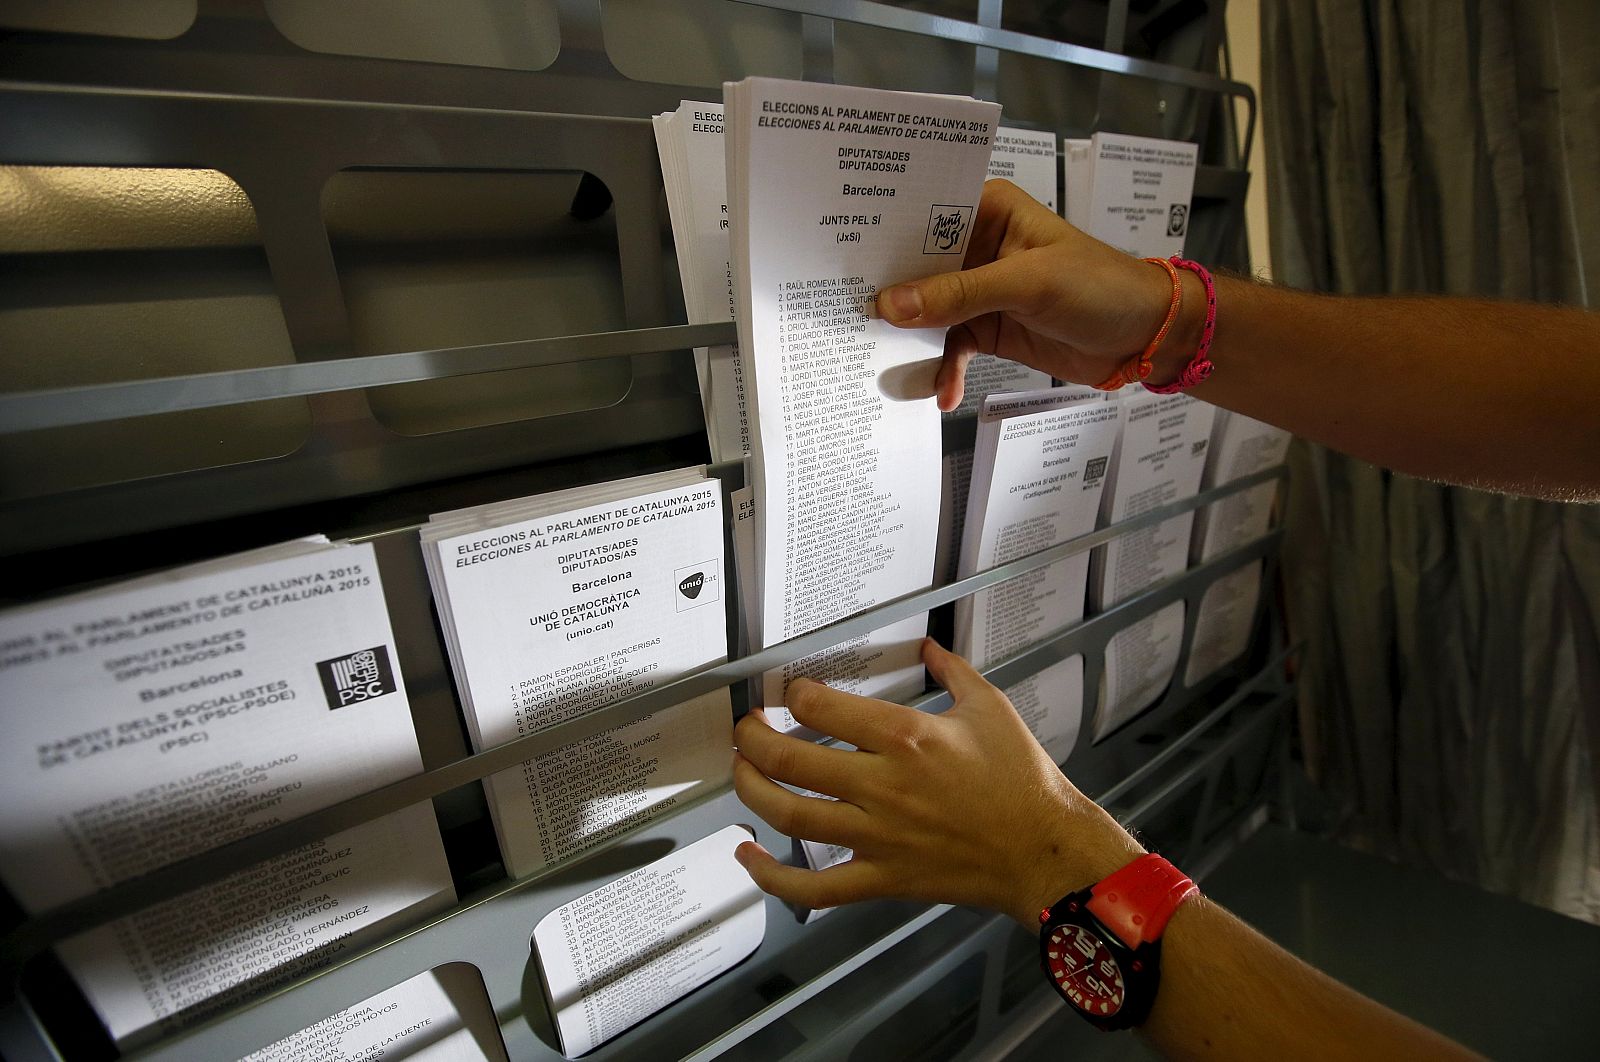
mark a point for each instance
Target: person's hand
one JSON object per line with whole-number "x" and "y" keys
{"x": 1038, "y": 291}
{"x": 963, "y": 807}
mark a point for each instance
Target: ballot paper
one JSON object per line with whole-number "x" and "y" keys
{"x": 1130, "y": 191}
{"x": 690, "y": 144}
{"x": 1027, "y": 159}
{"x": 1222, "y": 627}
{"x": 1239, "y": 447}
{"x": 834, "y": 192}
{"x": 1040, "y": 463}
{"x": 1139, "y": 662}
{"x": 1159, "y": 460}
{"x": 152, "y": 720}
{"x": 955, "y": 484}
{"x": 1051, "y": 703}
{"x": 744, "y": 564}
{"x": 556, "y": 605}
{"x": 615, "y": 956}
{"x": 440, "y": 1015}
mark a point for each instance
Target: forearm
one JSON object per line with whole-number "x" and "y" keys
{"x": 1228, "y": 992}
{"x": 1490, "y": 394}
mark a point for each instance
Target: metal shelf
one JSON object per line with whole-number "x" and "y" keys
{"x": 281, "y": 121}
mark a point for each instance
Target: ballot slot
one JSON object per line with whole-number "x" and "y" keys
{"x": 170, "y": 262}
{"x": 439, "y": 259}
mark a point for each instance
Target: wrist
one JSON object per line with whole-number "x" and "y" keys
{"x": 1080, "y": 847}
{"x": 1183, "y": 339}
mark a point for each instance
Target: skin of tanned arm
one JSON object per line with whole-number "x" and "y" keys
{"x": 1500, "y": 395}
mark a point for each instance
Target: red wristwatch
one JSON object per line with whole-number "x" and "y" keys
{"x": 1101, "y": 946}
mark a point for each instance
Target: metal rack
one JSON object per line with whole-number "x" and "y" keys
{"x": 281, "y": 121}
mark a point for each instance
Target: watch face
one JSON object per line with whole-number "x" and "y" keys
{"x": 1084, "y": 970}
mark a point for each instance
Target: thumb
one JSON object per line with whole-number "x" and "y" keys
{"x": 950, "y": 298}
{"x": 951, "y": 671}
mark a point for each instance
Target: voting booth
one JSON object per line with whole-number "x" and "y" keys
{"x": 279, "y": 269}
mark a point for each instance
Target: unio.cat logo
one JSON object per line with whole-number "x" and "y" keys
{"x": 698, "y": 584}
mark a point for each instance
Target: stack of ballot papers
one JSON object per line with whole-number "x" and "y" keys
{"x": 1051, "y": 703}
{"x": 1239, "y": 447}
{"x": 440, "y": 1015}
{"x": 614, "y": 956}
{"x": 154, "y": 719}
{"x": 1130, "y": 191}
{"x": 690, "y": 143}
{"x": 1039, "y": 466}
{"x": 833, "y": 193}
{"x": 558, "y": 604}
{"x": 1159, "y": 460}
{"x": 1040, "y": 463}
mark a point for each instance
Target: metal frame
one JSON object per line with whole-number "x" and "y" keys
{"x": 280, "y": 121}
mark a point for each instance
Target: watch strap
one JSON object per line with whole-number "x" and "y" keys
{"x": 1137, "y": 901}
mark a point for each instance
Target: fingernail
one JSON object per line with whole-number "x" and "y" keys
{"x": 901, "y": 303}
{"x": 740, "y": 853}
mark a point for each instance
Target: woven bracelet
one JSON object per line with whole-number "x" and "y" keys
{"x": 1138, "y": 367}
{"x": 1199, "y": 366}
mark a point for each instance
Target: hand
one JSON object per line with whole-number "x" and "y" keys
{"x": 1036, "y": 290}
{"x": 963, "y": 807}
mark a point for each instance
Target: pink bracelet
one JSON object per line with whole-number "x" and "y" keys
{"x": 1199, "y": 366}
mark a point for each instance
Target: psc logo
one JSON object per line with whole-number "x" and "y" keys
{"x": 360, "y": 676}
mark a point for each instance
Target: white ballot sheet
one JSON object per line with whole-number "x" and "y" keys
{"x": 1159, "y": 460}
{"x": 1051, "y": 703}
{"x": 615, "y": 956}
{"x": 690, "y": 143}
{"x": 1140, "y": 660}
{"x": 1222, "y": 628}
{"x": 1026, "y": 158}
{"x": 559, "y": 613}
{"x": 1131, "y": 191}
{"x": 744, "y": 562}
{"x": 1240, "y": 447}
{"x": 833, "y": 193}
{"x": 1040, "y": 464}
{"x": 151, "y": 721}
{"x": 440, "y": 1015}
{"x": 955, "y": 482}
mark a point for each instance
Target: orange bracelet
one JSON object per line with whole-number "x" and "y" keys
{"x": 1138, "y": 367}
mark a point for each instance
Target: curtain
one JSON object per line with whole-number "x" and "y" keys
{"x": 1450, "y": 680}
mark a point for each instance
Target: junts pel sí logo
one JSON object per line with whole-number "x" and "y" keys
{"x": 691, "y": 586}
